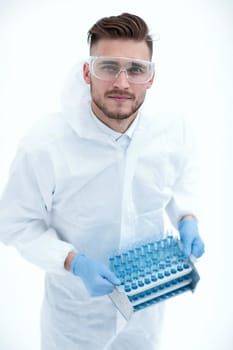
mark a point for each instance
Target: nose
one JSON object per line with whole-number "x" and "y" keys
{"x": 121, "y": 79}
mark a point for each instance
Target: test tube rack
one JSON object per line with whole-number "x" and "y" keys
{"x": 151, "y": 273}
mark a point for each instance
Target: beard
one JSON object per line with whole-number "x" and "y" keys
{"x": 117, "y": 114}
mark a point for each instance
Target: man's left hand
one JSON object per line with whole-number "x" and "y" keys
{"x": 190, "y": 238}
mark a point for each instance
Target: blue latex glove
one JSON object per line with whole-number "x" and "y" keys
{"x": 190, "y": 238}
{"x": 98, "y": 279}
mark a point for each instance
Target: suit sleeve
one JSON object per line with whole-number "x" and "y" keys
{"x": 24, "y": 219}
{"x": 186, "y": 190}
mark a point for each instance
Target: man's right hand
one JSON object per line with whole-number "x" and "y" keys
{"x": 98, "y": 279}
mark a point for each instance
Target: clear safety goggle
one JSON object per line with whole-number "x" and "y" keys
{"x": 109, "y": 68}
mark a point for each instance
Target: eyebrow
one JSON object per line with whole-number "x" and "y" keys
{"x": 108, "y": 61}
{"x": 133, "y": 63}
{"x": 138, "y": 64}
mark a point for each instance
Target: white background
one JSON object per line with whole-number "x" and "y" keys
{"x": 39, "y": 43}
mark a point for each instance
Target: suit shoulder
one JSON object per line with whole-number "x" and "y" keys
{"x": 45, "y": 131}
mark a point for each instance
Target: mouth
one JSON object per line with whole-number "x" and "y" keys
{"x": 120, "y": 98}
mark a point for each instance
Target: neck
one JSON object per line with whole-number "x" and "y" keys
{"x": 119, "y": 125}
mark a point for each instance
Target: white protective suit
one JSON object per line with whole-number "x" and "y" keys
{"x": 75, "y": 184}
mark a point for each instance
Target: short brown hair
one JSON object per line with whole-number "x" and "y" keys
{"x": 124, "y": 26}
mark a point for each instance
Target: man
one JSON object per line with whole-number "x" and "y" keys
{"x": 94, "y": 179}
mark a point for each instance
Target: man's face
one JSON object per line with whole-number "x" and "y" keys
{"x": 117, "y": 99}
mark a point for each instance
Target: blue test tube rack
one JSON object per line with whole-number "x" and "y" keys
{"x": 151, "y": 273}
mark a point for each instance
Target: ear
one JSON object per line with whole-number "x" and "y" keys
{"x": 86, "y": 73}
{"x": 150, "y": 82}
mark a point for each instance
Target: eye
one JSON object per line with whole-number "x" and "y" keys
{"x": 137, "y": 69}
{"x": 109, "y": 68}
